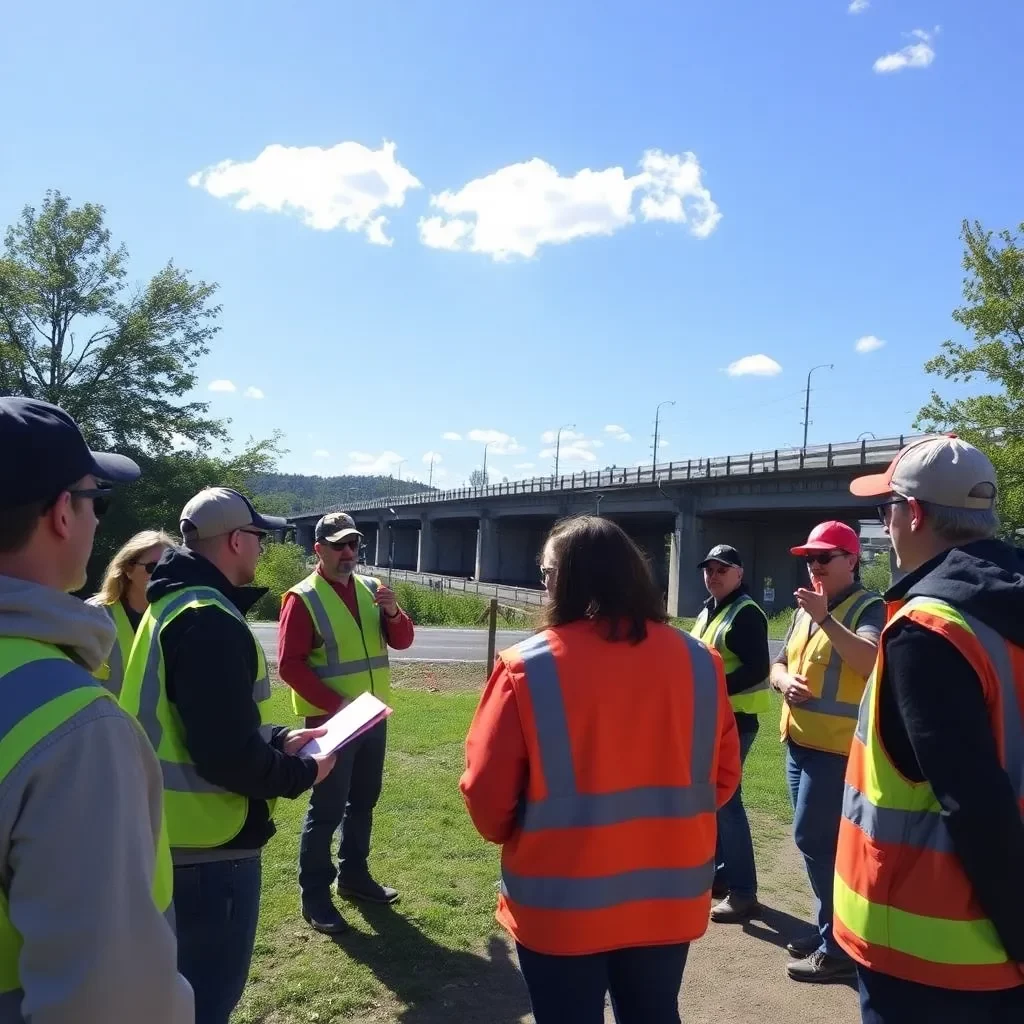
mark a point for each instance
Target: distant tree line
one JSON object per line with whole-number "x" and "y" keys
{"x": 287, "y": 493}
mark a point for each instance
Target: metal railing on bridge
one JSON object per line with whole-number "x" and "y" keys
{"x": 524, "y": 596}
{"x": 866, "y": 452}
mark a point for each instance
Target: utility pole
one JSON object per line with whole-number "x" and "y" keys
{"x": 657, "y": 420}
{"x": 807, "y": 398}
{"x": 400, "y": 465}
{"x": 430, "y": 482}
{"x": 486, "y": 446}
{"x": 558, "y": 444}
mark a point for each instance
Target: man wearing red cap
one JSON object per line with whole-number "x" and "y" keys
{"x": 821, "y": 673}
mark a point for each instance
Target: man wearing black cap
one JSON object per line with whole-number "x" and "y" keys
{"x": 733, "y": 623}
{"x": 84, "y": 866}
{"x": 335, "y": 630}
{"x": 197, "y": 680}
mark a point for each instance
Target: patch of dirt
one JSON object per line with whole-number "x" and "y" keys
{"x": 455, "y": 677}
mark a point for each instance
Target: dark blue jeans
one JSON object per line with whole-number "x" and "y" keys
{"x": 734, "y": 849}
{"x": 345, "y": 800}
{"x": 216, "y": 907}
{"x": 644, "y": 984}
{"x": 888, "y": 1000}
{"x": 816, "y": 781}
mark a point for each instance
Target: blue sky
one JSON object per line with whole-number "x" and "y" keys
{"x": 834, "y": 153}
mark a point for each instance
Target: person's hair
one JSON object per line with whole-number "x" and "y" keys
{"x": 18, "y": 524}
{"x": 115, "y": 580}
{"x": 601, "y": 574}
{"x": 961, "y": 525}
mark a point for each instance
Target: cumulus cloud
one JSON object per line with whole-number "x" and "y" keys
{"x": 550, "y": 436}
{"x": 520, "y": 207}
{"x": 347, "y": 185}
{"x": 500, "y": 443}
{"x": 369, "y": 464}
{"x": 252, "y": 392}
{"x": 759, "y": 365}
{"x": 918, "y": 54}
{"x": 523, "y": 465}
{"x": 858, "y": 6}
{"x": 451, "y": 435}
{"x": 869, "y": 343}
{"x": 222, "y": 385}
{"x": 619, "y": 433}
{"x": 321, "y": 453}
{"x": 434, "y": 457}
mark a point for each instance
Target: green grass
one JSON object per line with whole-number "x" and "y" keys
{"x": 429, "y": 607}
{"x": 778, "y": 624}
{"x": 437, "y": 956}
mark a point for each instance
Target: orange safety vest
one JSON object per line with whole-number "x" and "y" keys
{"x": 903, "y": 904}
{"x": 616, "y": 838}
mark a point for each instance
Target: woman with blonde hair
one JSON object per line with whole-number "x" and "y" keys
{"x": 123, "y": 597}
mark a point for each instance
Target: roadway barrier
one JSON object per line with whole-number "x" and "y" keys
{"x": 525, "y": 597}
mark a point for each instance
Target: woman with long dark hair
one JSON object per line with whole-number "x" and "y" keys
{"x": 599, "y": 754}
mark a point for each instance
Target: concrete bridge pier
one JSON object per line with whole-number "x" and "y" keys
{"x": 426, "y": 553}
{"x": 686, "y": 549}
{"x": 486, "y": 550}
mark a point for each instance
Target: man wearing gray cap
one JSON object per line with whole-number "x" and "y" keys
{"x": 929, "y": 882}
{"x": 197, "y": 681}
{"x": 334, "y": 633}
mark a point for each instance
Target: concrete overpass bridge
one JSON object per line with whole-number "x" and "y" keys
{"x": 761, "y": 502}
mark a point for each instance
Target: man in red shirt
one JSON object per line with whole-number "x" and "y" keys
{"x": 348, "y": 796}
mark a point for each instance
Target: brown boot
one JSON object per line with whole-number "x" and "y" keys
{"x": 735, "y": 909}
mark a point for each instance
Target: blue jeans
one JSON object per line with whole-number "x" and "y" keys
{"x": 888, "y": 1000}
{"x": 216, "y": 907}
{"x": 734, "y": 849}
{"x": 816, "y": 781}
{"x": 345, "y": 800}
{"x": 644, "y": 984}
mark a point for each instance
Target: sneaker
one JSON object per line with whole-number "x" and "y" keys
{"x": 804, "y": 946}
{"x": 365, "y": 888}
{"x": 324, "y": 918}
{"x": 719, "y": 891}
{"x": 735, "y": 909}
{"x": 822, "y": 967}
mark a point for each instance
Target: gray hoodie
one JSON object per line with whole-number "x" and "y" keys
{"x": 79, "y": 818}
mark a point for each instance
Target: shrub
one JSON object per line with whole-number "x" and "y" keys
{"x": 280, "y": 567}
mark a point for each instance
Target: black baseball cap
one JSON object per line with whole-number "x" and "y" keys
{"x": 43, "y": 452}
{"x": 723, "y": 553}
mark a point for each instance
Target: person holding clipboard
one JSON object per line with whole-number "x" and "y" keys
{"x": 821, "y": 673}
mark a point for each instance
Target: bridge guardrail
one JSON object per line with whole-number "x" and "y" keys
{"x": 524, "y": 596}
{"x": 873, "y": 452}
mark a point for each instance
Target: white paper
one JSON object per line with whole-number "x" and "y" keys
{"x": 351, "y": 721}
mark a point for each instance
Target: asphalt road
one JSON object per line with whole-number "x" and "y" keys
{"x": 437, "y": 644}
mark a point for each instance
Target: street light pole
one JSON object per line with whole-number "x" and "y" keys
{"x": 597, "y": 499}
{"x": 657, "y": 421}
{"x": 486, "y": 446}
{"x": 807, "y": 398}
{"x": 430, "y": 482}
{"x": 558, "y": 444}
{"x": 401, "y": 463}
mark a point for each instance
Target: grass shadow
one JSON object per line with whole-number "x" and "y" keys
{"x": 437, "y": 984}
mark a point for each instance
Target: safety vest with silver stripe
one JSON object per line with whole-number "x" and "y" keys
{"x": 111, "y": 672}
{"x": 199, "y": 813}
{"x": 352, "y": 657}
{"x": 43, "y": 689}
{"x": 714, "y": 631}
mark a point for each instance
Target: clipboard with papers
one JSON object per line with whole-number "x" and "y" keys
{"x": 355, "y": 718}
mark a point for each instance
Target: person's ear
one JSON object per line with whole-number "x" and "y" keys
{"x": 916, "y": 514}
{"x": 60, "y": 514}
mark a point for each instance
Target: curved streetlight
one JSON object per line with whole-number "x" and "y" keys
{"x": 558, "y": 445}
{"x": 807, "y": 398}
{"x": 866, "y": 433}
{"x": 486, "y": 446}
{"x": 657, "y": 421}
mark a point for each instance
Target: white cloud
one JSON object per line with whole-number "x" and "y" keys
{"x": 500, "y": 443}
{"x": 347, "y": 185}
{"x": 435, "y": 457}
{"x": 619, "y": 433}
{"x": 550, "y": 436}
{"x": 869, "y": 343}
{"x": 914, "y": 55}
{"x": 367, "y": 464}
{"x": 251, "y": 392}
{"x": 662, "y": 442}
{"x": 523, "y": 465}
{"x": 858, "y": 6}
{"x": 222, "y": 385}
{"x": 450, "y": 435}
{"x": 520, "y": 207}
{"x": 321, "y": 453}
{"x": 577, "y": 451}
{"x": 754, "y": 366}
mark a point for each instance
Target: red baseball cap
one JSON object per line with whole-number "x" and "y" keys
{"x": 830, "y": 536}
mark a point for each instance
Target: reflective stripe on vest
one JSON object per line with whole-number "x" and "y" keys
{"x": 565, "y": 807}
{"x": 801, "y": 723}
{"x": 754, "y": 700}
{"x": 111, "y": 672}
{"x": 42, "y": 690}
{"x": 353, "y": 657}
{"x": 199, "y": 813}
{"x": 903, "y": 903}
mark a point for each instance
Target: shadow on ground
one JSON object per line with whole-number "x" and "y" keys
{"x": 437, "y": 985}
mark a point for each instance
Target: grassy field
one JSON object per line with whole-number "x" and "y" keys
{"x": 437, "y": 956}
{"x": 778, "y": 624}
{"x": 429, "y": 607}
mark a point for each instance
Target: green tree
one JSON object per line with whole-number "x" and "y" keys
{"x": 877, "y": 573}
{"x": 993, "y": 314}
{"x": 280, "y": 567}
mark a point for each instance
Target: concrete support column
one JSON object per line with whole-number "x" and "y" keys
{"x": 686, "y": 548}
{"x": 304, "y": 536}
{"x": 383, "y": 543}
{"x": 487, "y": 550}
{"x": 426, "y": 555}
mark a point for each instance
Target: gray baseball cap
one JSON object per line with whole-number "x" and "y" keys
{"x": 219, "y": 510}
{"x": 336, "y": 526}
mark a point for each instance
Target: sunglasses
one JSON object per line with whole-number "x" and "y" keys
{"x": 824, "y": 558}
{"x": 100, "y": 496}
{"x": 718, "y": 570}
{"x": 884, "y": 509}
{"x": 341, "y": 545}
{"x": 149, "y": 567}
{"x": 256, "y": 533}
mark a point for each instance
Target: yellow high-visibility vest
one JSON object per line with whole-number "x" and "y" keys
{"x": 111, "y": 672}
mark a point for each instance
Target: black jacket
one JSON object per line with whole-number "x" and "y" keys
{"x": 935, "y": 725}
{"x": 210, "y": 667}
